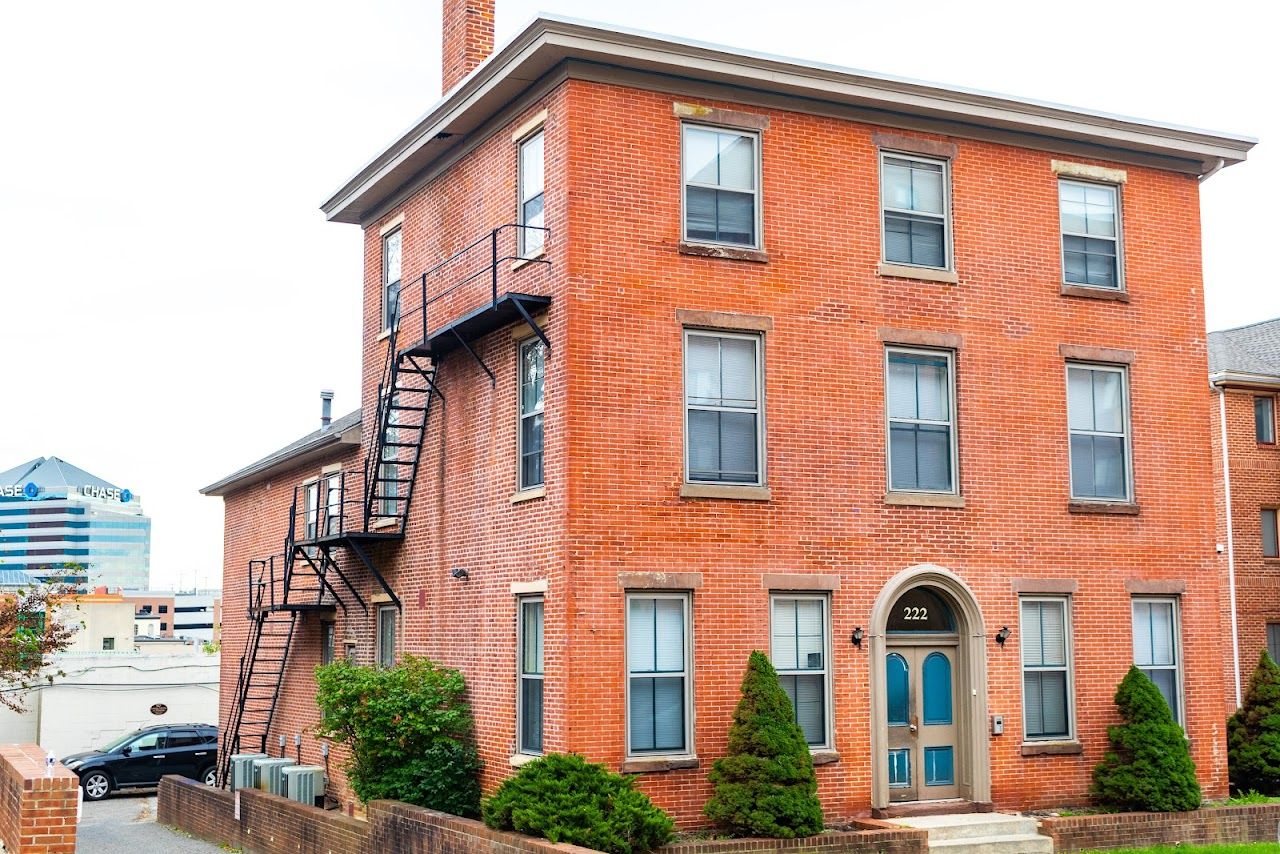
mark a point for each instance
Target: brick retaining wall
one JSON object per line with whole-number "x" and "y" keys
{"x": 37, "y": 807}
{"x": 1253, "y": 823}
{"x": 273, "y": 825}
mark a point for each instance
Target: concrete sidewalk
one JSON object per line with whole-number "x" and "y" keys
{"x": 126, "y": 824}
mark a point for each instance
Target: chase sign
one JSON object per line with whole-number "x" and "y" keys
{"x": 107, "y": 493}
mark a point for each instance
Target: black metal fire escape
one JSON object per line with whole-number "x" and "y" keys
{"x": 349, "y": 512}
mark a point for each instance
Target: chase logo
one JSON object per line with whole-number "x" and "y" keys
{"x": 15, "y": 491}
{"x": 30, "y": 490}
{"x": 126, "y": 496}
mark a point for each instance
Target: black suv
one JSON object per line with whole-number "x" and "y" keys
{"x": 142, "y": 757}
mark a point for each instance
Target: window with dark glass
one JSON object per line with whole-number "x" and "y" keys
{"x": 721, "y": 197}
{"x": 1098, "y": 423}
{"x": 387, "y": 636}
{"x": 108, "y": 643}
{"x": 533, "y": 363}
{"x": 529, "y": 712}
{"x": 921, "y": 422}
{"x": 391, "y": 243}
{"x": 532, "y": 196}
{"x": 913, "y": 200}
{"x": 1046, "y": 684}
{"x": 1090, "y": 234}
{"x": 328, "y": 639}
{"x": 1155, "y": 647}
{"x": 724, "y": 429}
{"x": 1264, "y": 419}
{"x": 658, "y": 673}
{"x": 798, "y": 630}
{"x": 1270, "y": 532}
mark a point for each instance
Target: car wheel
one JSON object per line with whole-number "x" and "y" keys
{"x": 208, "y": 776}
{"x": 97, "y": 785}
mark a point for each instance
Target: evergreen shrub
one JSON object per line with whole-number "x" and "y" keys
{"x": 1253, "y": 733}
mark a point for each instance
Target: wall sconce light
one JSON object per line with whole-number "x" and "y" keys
{"x": 1002, "y": 635}
{"x": 856, "y": 637}
{"x": 460, "y": 572}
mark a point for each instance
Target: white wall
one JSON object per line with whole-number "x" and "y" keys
{"x": 105, "y": 695}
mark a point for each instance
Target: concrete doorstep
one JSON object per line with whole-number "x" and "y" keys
{"x": 980, "y": 833}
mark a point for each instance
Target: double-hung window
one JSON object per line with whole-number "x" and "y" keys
{"x": 386, "y": 654}
{"x": 1270, "y": 532}
{"x": 328, "y": 641}
{"x": 533, "y": 363}
{"x": 311, "y": 511}
{"x": 1046, "y": 669}
{"x": 659, "y": 689}
{"x": 798, "y": 627}
{"x": 914, "y": 204}
{"x": 390, "y": 276}
{"x": 1090, "y": 216}
{"x": 724, "y": 423}
{"x": 529, "y": 691}
{"x": 1098, "y": 424}
{"x": 1155, "y": 647}
{"x": 1264, "y": 419}
{"x": 721, "y": 186}
{"x": 921, "y": 415}
{"x": 1273, "y": 641}
{"x": 532, "y": 185}
{"x": 333, "y": 504}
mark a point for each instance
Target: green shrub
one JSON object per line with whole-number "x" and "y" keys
{"x": 564, "y": 798}
{"x": 1148, "y": 767}
{"x": 409, "y": 730}
{"x": 764, "y": 784}
{"x": 1253, "y": 733}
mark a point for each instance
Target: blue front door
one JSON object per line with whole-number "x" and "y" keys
{"x": 920, "y": 701}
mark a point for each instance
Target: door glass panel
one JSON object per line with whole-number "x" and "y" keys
{"x": 900, "y": 768}
{"x": 895, "y": 667}
{"x": 921, "y": 610}
{"x": 937, "y": 690}
{"x": 939, "y": 766}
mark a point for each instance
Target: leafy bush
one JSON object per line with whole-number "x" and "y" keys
{"x": 564, "y": 798}
{"x": 1253, "y": 733}
{"x": 1148, "y": 767}
{"x": 409, "y": 730}
{"x": 765, "y": 785}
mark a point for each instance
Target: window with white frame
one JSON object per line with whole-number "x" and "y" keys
{"x": 799, "y": 650}
{"x": 311, "y": 510}
{"x": 1098, "y": 423}
{"x": 532, "y": 179}
{"x": 1046, "y": 668}
{"x": 1264, "y": 419}
{"x": 1155, "y": 647}
{"x": 390, "y": 275}
{"x": 914, "y": 207}
{"x": 386, "y": 635}
{"x": 1270, "y": 532}
{"x": 333, "y": 504}
{"x": 391, "y": 470}
{"x": 1090, "y": 215}
{"x": 529, "y": 696}
{"x": 724, "y": 424}
{"x": 659, "y": 689}
{"x": 533, "y": 363}
{"x": 721, "y": 185}
{"x": 921, "y": 414}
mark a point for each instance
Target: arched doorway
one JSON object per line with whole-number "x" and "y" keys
{"x": 928, "y": 691}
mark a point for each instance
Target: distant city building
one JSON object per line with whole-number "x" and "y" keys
{"x": 59, "y": 522}
{"x": 194, "y": 615}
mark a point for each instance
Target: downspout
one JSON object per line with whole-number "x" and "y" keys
{"x": 1231, "y": 543}
{"x": 1213, "y": 170}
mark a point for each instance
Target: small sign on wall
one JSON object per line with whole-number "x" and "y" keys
{"x": 159, "y": 709}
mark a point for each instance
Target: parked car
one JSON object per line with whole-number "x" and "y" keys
{"x": 142, "y": 757}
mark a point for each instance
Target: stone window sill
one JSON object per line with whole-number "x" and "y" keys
{"x": 923, "y": 274}
{"x": 524, "y": 262}
{"x": 723, "y": 490}
{"x": 529, "y": 494}
{"x": 383, "y": 523}
{"x": 383, "y": 335}
{"x": 646, "y": 766}
{"x": 923, "y": 499}
{"x": 523, "y": 759}
{"x": 1086, "y": 292}
{"x": 733, "y": 253}
{"x": 1104, "y": 508}
{"x": 1052, "y": 748}
{"x": 825, "y": 757}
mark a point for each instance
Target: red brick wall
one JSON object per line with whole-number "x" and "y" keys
{"x": 1221, "y": 825}
{"x": 37, "y": 809}
{"x": 614, "y": 446}
{"x": 1255, "y": 484}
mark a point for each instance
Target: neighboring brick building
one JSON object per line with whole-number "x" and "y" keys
{"x": 1244, "y": 367}
{"x": 903, "y": 384}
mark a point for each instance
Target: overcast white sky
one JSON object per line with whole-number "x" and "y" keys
{"x": 172, "y": 300}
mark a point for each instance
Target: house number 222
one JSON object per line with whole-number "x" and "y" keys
{"x": 909, "y": 613}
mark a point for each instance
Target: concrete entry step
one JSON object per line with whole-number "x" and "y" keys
{"x": 980, "y": 833}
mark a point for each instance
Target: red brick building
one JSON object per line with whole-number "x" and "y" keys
{"x": 902, "y": 384}
{"x": 1244, "y": 367}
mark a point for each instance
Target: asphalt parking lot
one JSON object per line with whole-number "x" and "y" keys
{"x": 125, "y": 823}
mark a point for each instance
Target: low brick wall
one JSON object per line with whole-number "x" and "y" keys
{"x": 273, "y": 825}
{"x": 37, "y": 808}
{"x": 1254, "y": 823}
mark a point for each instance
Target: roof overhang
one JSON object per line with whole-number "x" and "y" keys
{"x": 323, "y": 447}
{"x": 548, "y": 42}
{"x": 1240, "y": 379}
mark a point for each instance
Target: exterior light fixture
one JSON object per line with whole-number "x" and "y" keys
{"x": 856, "y": 637}
{"x": 460, "y": 572}
{"x": 1002, "y": 635}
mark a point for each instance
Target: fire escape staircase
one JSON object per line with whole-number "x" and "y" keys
{"x": 349, "y": 512}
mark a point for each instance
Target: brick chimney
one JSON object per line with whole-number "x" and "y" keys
{"x": 468, "y": 38}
